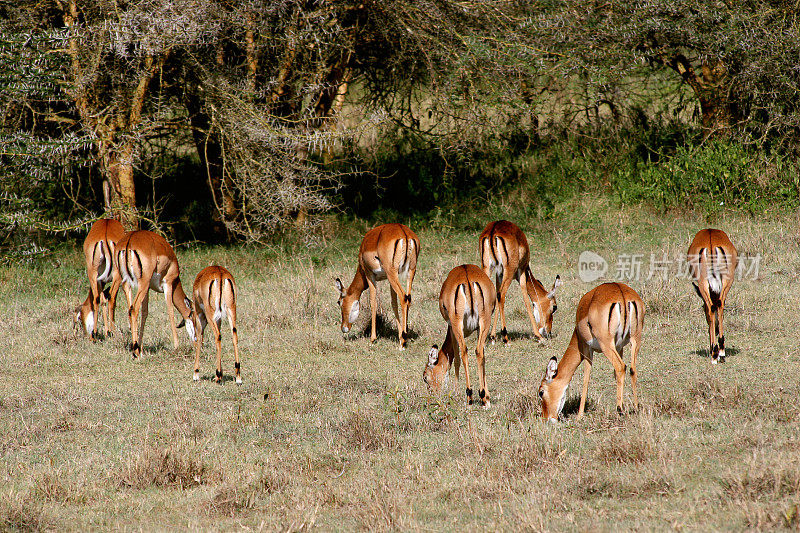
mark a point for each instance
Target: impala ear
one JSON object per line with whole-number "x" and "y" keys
{"x": 552, "y": 368}
{"x": 339, "y": 286}
{"x": 556, "y": 284}
{"x": 433, "y": 355}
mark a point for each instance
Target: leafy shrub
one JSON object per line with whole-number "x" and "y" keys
{"x": 709, "y": 177}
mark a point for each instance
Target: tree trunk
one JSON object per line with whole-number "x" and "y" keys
{"x": 209, "y": 150}
{"x": 712, "y": 88}
{"x": 119, "y": 185}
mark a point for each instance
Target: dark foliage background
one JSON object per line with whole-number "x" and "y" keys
{"x": 220, "y": 121}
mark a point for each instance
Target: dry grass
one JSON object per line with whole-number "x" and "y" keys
{"x": 332, "y": 432}
{"x": 18, "y": 513}
{"x": 164, "y": 467}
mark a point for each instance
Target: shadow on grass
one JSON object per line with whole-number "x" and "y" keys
{"x": 210, "y": 378}
{"x": 703, "y": 352}
{"x": 520, "y": 335}
{"x": 385, "y": 329}
{"x": 573, "y": 403}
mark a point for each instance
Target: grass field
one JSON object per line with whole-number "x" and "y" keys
{"x": 331, "y": 432}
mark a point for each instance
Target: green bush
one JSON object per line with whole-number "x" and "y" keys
{"x": 712, "y": 176}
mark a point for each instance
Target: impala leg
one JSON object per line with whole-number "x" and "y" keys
{"x": 498, "y": 281}
{"x": 143, "y": 318}
{"x": 501, "y": 298}
{"x": 409, "y": 281}
{"x": 711, "y": 319}
{"x": 635, "y": 345}
{"x": 215, "y": 324}
{"x": 396, "y": 316}
{"x": 398, "y": 293}
{"x": 133, "y": 316}
{"x": 483, "y": 391}
{"x": 102, "y": 303}
{"x": 587, "y": 374}
{"x": 373, "y": 307}
{"x": 235, "y": 337}
{"x": 112, "y": 302}
{"x": 94, "y": 304}
{"x": 458, "y": 333}
{"x": 526, "y": 299}
{"x": 456, "y": 362}
{"x": 116, "y": 281}
{"x": 611, "y": 353}
{"x": 720, "y": 332}
{"x": 200, "y": 322}
{"x": 168, "y": 290}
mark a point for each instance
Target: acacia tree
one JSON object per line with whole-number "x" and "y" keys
{"x": 738, "y": 57}
{"x": 263, "y": 83}
{"x": 265, "y": 99}
{"x": 115, "y": 52}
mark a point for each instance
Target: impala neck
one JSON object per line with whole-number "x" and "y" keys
{"x": 569, "y": 363}
{"x": 179, "y": 300}
{"x": 359, "y": 283}
{"x": 448, "y": 348}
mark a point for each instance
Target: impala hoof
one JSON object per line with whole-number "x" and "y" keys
{"x": 487, "y": 404}
{"x": 238, "y": 380}
{"x": 196, "y": 376}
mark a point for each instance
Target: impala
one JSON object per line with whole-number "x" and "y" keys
{"x": 466, "y": 302}
{"x": 609, "y": 317}
{"x": 712, "y": 261}
{"x": 98, "y": 251}
{"x": 388, "y": 252}
{"x": 214, "y": 294}
{"x": 146, "y": 261}
{"x": 504, "y": 252}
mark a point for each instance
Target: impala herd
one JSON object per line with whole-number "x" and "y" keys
{"x": 609, "y": 317}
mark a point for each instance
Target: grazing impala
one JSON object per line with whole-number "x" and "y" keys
{"x": 388, "y": 252}
{"x": 146, "y": 261}
{"x": 466, "y": 302}
{"x": 504, "y": 252}
{"x": 214, "y": 296}
{"x": 98, "y": 251}
{"x": 712, "y": 260}
{"x": 609, "y": 317}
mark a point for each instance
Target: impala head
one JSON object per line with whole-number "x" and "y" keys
{"x": 84, "y": 317}
{"x": 544, "y": 305}
{"x": 552, "y": 394}
{"x": 188, "y": 320}
{"x": 436, "y": 370}
{"x": 350, "y": 306}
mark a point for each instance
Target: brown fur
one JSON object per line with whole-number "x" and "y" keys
{"x": 703, "y": 256}
{"x": 214, "y": 288}
{"x": 596, "y": 319}
{"x": 141, "y": 255}
{"x": 467, "y": 288}
{"x": 386, "y": 248}
{"x": 503, "y": 242}
{"x": 98, "y": 251}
